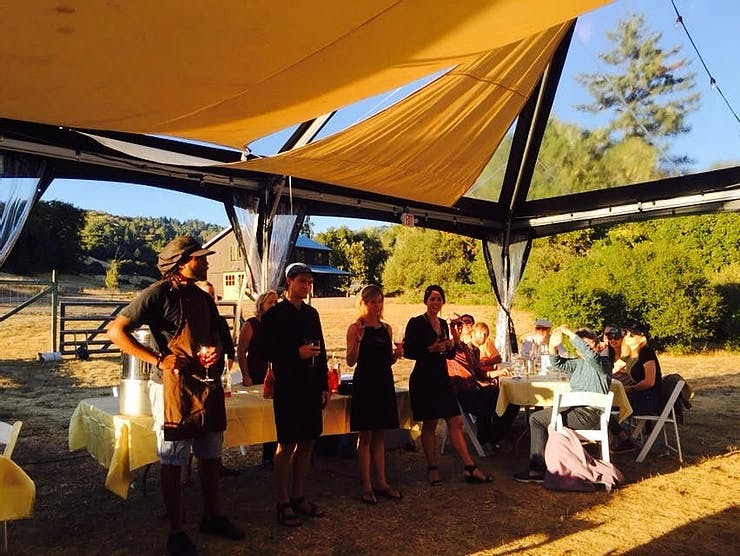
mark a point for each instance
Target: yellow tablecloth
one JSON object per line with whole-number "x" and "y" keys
{"x": 123, "y": 443}
{"x": 540, "y": 390}
{"x": 17, "y": 491}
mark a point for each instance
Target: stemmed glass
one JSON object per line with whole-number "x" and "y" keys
{"x": 315, "y": 343}
{"x": 205, "y": 352}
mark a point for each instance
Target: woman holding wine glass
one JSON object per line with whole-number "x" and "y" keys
{"x": 373, "y": 408}
{"x": 427, "y": 340}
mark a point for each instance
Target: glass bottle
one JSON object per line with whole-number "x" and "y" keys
{"x": 226, "y": 378}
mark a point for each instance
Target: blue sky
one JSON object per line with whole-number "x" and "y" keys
{"x": 714, "y": 138}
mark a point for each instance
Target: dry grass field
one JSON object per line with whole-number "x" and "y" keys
{"x": 662, "y": 508}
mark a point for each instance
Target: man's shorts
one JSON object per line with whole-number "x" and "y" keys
{"x": 177, "y": 452}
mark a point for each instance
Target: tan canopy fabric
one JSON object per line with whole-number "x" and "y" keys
{"x": 432, "y": 146}
{"x": 231, "y": 71}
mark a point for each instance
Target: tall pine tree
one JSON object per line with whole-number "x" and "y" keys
{"x": 650, "y": 90}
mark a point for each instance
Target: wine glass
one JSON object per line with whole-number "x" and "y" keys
{"x": 205, "y": 354}
{"x": 315, "y": 343}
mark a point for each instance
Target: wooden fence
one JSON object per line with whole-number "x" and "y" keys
{"x": 82, "y": 324}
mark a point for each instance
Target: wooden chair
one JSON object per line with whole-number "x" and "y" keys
{"x": 668, "y": 415}
{"x": 602, "y": 402}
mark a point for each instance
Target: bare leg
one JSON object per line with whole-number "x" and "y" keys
{"x": 208, "y": 470}
{"x": 363, "y": 459}
{"x": 172, "y": 495}
{"x": 283, "y": 457}
{"x": 429, "y": 444}
{"x": 377, "y": 449}
{"x": 457, "y": 439}
{"x": 301, "y": 463}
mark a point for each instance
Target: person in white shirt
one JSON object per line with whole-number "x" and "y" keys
{"x": 535, "y": 343}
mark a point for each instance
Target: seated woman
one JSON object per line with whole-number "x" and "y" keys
{"x": 619, "y": 354}
{"x": 476, "y": 391}
{"x": 644, "y": 393}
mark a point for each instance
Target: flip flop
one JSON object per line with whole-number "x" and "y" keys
{"x": 304, "y": 507}
{"x": 369, "y": 498}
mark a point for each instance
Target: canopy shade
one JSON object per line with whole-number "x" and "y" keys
{"x": 231, "y": 71}
{"x": 433, "y": 145}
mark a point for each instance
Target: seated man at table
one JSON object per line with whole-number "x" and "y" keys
{"x": 184, "y": 322}
{"x": 589, "y": 372}
{"x": 476, "y": 391}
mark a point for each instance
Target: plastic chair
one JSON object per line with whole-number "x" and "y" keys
{"x": 668, "y": 415}
{"x": 595, "y": 400}
{"x": 470, "y": 430}
{"x": 9, "y": 436}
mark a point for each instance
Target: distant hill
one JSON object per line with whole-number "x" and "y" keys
{"x": 63, "y": 237}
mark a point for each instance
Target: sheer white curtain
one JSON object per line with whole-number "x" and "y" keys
{"x": 506, "y": 269}
{"x": 264, "y": 266}
{"x": 20, "y": 186}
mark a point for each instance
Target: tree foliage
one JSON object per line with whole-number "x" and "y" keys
{"x": 359, "y": 252}
{"x": 649, "y": 91}
{"x": 651, "y": 271}
{"x": 49, "y": 240}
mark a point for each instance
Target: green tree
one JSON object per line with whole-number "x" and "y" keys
{"x": 650, "y": 90}
{"x": 111, "y": 275}
{"x": 49, "y": 240}
{"x": 359, "y": 252}
{"x": 421, "y": 257}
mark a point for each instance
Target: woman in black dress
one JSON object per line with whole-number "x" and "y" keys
{"x": 373, "y": 408}
{"x": 252, "y": 361}
{"x": 427, "y": 340}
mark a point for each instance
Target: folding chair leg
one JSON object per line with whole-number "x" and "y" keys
{"x": 472, "y": 436}
{"x": 5, "y": 537}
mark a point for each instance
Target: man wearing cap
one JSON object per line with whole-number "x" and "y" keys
{"x": 535, "y": 343}
{"x": 184, "y": 322}
{"x": 292, "y": 340}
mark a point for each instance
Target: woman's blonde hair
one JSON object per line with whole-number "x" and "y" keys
{"x": 367, "y": 293}
{"x": 261, "y": 301}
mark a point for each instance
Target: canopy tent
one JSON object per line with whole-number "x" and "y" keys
{"x": 92, "y": 82}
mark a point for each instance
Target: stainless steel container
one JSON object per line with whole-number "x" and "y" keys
{"x": 133, "y": 395}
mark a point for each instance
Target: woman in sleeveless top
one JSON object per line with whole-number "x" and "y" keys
{"x": 252, "y": 363}
{"x": 373, "y": 406}
{"x": 427, "y": 340}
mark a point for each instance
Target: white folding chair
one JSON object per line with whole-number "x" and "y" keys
{"x": 602, "y": 402}
{"x": 470, "y": 430}
{"x": 8, "y": 437}
{"x": 668, "y": 415}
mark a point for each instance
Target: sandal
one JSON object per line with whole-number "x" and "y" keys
{"x": 287, "y": 518}
{"x": 471, "y": 478}
{"x": 369, "y": 498}
{"x": 433, "y": 482}
{"x": 304, "y": 507}
{"x": 390, "y": 493}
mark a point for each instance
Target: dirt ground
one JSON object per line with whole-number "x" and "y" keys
{"x": 662, "y": 508}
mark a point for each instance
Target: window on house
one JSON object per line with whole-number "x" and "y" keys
{"x": 229, "y": 280}
{"x": 235, "y": 253}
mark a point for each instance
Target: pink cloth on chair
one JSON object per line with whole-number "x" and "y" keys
{"x": 569, "y": 467}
